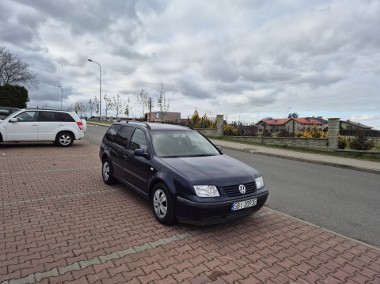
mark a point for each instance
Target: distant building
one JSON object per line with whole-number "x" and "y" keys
{"x": 318, "y": 118}
{"x": 350, "y": 125}
{"x": 272, "y": 125}
{"x": 292, "y": 125}
{"x": 164, "y": 116}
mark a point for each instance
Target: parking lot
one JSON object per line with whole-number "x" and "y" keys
{"x": 60, "y": 223}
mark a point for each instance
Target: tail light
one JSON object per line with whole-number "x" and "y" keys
{"x": 80, "y": 125}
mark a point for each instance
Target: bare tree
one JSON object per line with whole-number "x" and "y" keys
{"x": 13, "y": 71}
{"x": 117, "y": 104}
{"x": 80, "y": 108}
{"x": 109, "y": 104}
{"x": 96, "y": 106}
{"x": 163, "y": 103}
{"x": 144, "y": 99}
{"x": 127, "y": 107}
{"x": 91, "y": 106}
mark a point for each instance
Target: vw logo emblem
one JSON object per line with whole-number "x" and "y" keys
{"x": 242, "y": 189}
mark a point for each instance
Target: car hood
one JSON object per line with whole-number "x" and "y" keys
{"x": 218, "y": 170}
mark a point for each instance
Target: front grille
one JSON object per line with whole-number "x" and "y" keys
{"x": 233, "y": 190}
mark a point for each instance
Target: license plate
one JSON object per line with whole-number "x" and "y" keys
{"x": 243, "y": 204}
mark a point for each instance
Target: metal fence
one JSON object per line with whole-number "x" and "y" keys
{"x": 359, "y": 139}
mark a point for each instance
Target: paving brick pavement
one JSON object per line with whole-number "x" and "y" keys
{"x": 59, "y": 223}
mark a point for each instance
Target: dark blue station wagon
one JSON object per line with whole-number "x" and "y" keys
{"x": 184, "y": 176}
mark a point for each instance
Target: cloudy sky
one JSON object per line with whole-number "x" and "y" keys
{"x": 246, "y": 59}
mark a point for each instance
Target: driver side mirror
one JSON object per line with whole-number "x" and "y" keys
{"x": 141, "y": 153}
{"x": 219, "y": 149}
{"x": 13, "y": 119}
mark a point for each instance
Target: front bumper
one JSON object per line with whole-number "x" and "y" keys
{"x": 210, "y": 213}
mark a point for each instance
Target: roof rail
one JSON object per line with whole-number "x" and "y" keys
{"x": 174, "y": 123}
{"x": 140, "y": 122}
{"x": 147, "y": 125}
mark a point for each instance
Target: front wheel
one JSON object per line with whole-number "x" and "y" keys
{"x": 107, "y": 174}
{"x": 64, "y": 139}
{"x": 162, "y": 202}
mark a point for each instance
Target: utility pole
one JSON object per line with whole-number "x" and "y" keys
{"x": 150, "y": 109}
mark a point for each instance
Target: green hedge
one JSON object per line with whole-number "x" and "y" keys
{"x": 13, "y": 96}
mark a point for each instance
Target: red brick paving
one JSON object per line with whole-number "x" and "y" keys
{"x": 59, "y": 223}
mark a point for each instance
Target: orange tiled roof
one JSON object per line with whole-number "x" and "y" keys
{"x": 279, "y": 121}
{"x": 282, "y": 121}
{"x": 304, "y": 120}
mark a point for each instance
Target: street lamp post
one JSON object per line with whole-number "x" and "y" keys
{"x": 61, "y": 96}
{"x": 100, "y": 92}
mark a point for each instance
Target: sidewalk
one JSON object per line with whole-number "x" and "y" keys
{"x": 59, "y": 223}
{"x": 348, "y": 163}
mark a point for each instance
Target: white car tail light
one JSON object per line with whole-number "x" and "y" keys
{"x": 80, "y": 125}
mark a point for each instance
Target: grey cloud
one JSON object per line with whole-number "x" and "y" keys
{"x": 84, "y": 17}
{"x": 221, "y": 70}
{"x": 253, "y": 54}
{"x": 21, "y": 29}
{"x": 192, "y": 89}
{"x": 127, "y": 52}
{"x": 315, "y": 80}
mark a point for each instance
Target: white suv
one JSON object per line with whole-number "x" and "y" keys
{"x": 61, "y": 127}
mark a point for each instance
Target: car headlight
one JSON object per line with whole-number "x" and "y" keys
{"x": 259, "y": 182}
{"x": 206, "y": 190}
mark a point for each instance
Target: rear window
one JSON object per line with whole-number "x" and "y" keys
{"x": 63, "y": 116}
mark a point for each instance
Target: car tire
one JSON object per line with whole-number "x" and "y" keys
{"x": 107, "y": 172}
{"x": 64, "y": 139}
{"x": 162, "y": 203}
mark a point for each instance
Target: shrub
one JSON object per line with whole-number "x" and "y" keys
{"x": 312, "y": 132}
{"x": 284, "y": 133}
{"x": 230, "y": 130}
{"x": 342, "y": 142}
{"x": 361, "y": 142}
{"x": 13, "y": 96}
{"x": 201, "y": 122}
{"x": 266, "y": 133}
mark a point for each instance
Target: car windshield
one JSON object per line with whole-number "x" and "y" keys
{"x": 181, "y": 143}
{"x": 4, "y": 114}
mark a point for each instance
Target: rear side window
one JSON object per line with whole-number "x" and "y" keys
{"x": 46, "y": 116}
{"x": 111, "y": 132}
{"x": 55, "y": 116}
{"x": 123, "y": 136}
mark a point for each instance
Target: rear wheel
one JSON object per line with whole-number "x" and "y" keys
{"x": 107, "y": 173}
{"x": 163, "y": 207}
{"x": 64, "y": 139}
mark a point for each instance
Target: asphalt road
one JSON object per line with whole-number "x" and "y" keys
{"x": 344, "y": 201}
